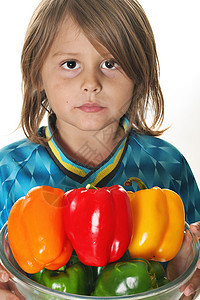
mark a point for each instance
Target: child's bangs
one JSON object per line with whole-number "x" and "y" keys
{"x": 103, "y": 24}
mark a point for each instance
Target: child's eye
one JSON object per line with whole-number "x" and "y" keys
{"x": 110, "y": 64}
{"x": 71, "y": 65}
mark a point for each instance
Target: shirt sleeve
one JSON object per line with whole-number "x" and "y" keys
{"x": 189, "y": 193}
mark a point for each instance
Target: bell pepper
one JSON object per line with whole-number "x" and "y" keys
{"x": 159, "y": 271}
{"x": 98, "y": 223}
{"x": 125, "y": 278}
{"x": 36, "y": 231}
{"x": 37, "y": 277}
{"x": 98, "y": 270}
{"x": 74, "y": 278}
{"x": 158, "y": 222}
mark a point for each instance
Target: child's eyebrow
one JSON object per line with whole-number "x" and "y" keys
{"x": 66, "y": 54}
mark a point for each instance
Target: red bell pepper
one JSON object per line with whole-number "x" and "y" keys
{"x": 98, "y": 223}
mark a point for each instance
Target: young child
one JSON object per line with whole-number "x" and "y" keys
{"x": 92, "y": 65}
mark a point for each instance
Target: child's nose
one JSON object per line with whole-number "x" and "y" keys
{"x": 91, "y": 83}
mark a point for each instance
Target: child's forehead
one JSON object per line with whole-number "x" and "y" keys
{"x": 68, "y": 31}
{"x": 71, "y": 35}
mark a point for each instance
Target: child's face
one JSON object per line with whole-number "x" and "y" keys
{"x": 85, "y": 90}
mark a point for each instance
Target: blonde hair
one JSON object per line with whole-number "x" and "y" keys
{"x": 122, "y": 27}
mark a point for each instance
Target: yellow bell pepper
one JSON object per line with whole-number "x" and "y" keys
{"x": 158, "y": 222}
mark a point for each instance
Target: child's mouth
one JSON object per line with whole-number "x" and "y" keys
{"x": 91, "y": 108}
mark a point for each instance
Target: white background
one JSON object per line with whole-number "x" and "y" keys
{"x": 176, "y": 25}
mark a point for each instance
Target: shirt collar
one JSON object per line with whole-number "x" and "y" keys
{"x": 81, "y": 172}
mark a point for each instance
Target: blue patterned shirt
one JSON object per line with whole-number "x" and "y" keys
{"x": 24, "y": 165}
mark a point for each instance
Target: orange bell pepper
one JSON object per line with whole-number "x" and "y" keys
{"x": 36, "y": 232}
{"x": 158, "y": 222}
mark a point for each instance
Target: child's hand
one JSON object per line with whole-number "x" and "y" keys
{"x": 179, "y": 263}
{"x": 5, "y": 293}
{"x": 194, "y": 283}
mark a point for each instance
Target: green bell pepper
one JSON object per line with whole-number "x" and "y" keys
{"x": 37, "y": 276}
{"x": 98, "y": 270}
{"x": 125, "y": 278}
{"x": 157, "y": 268}
{"x": 159, "y": 271}
{"x": 74, "y": 278}
{"x": 163, "y": 281}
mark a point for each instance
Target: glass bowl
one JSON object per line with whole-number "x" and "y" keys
{"x": 25, "y": 288}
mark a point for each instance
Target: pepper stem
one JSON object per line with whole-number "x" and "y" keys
{"x": 139, "y": 182}
{"x": 90, "y": 187}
